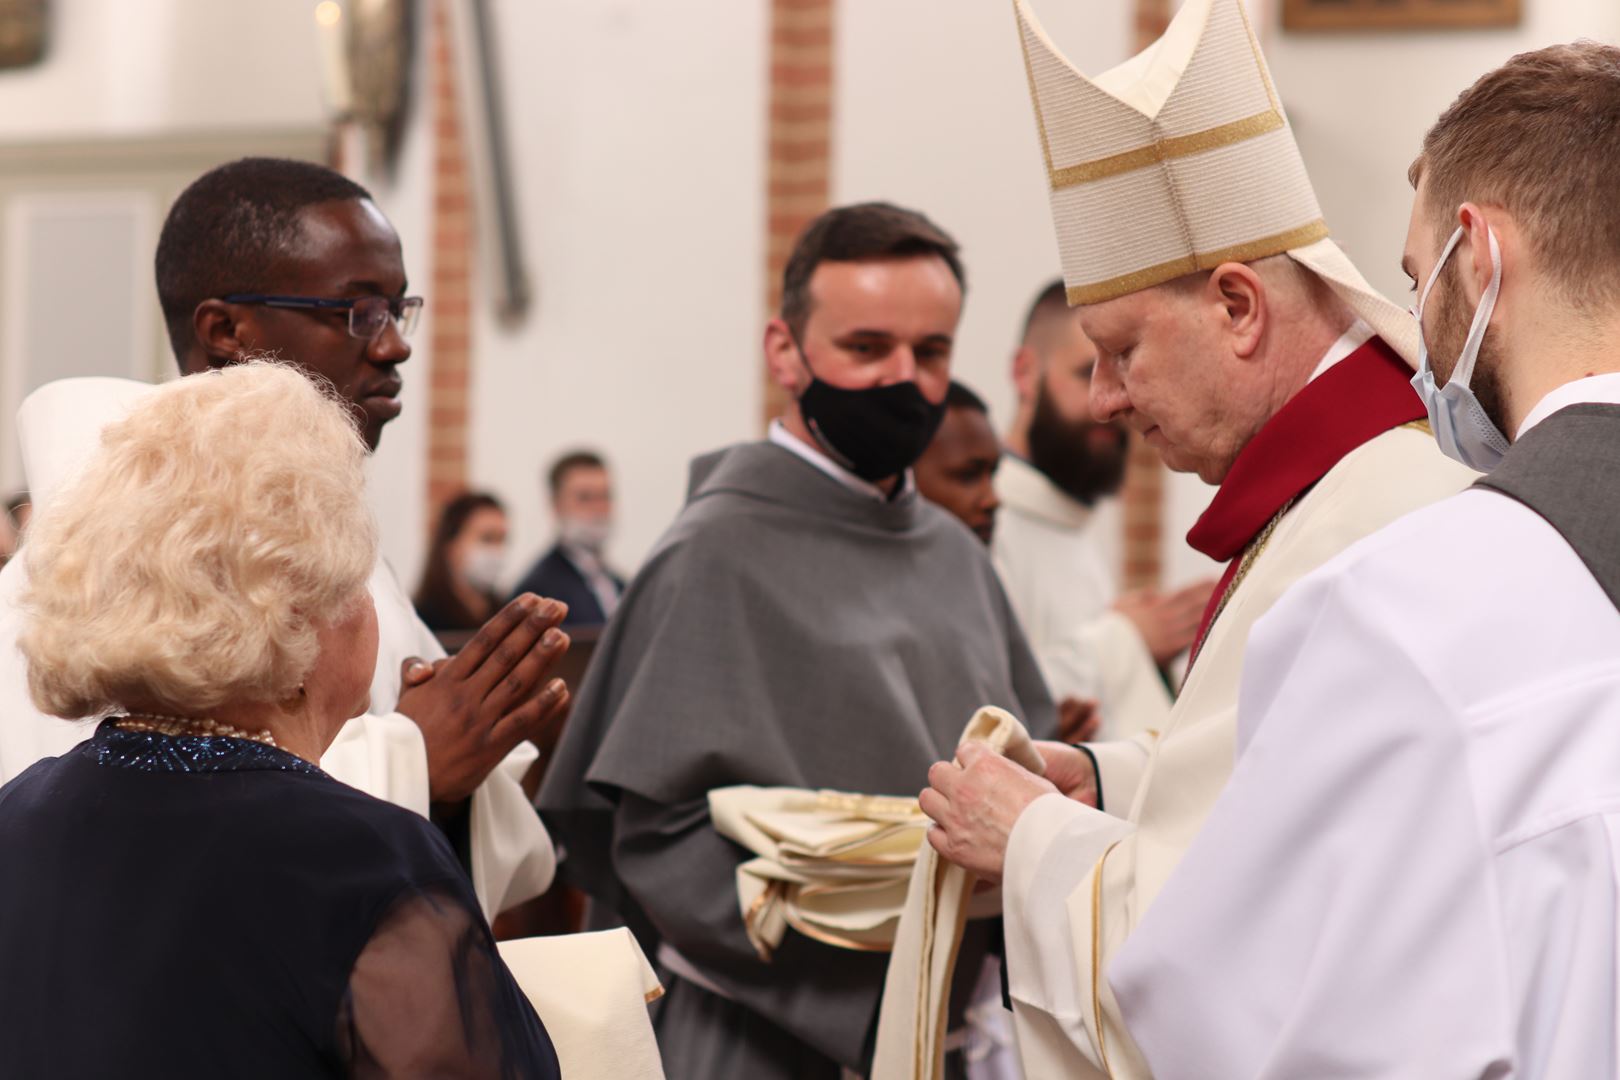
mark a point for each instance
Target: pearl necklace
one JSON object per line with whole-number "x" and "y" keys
{"x": 184, "y": 725}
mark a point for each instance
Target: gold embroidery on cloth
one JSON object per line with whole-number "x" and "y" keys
{"x": 1096, "y": 955}
{"x": 1250, "y": 554}
{"x": 1136, "y": 280}
{"x": 1160, "y": 150}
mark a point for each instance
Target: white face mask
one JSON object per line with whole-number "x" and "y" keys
{"x": 1461, "y": 426}
{"x": 591, "y": 534}
{"x": 482, "y": 567}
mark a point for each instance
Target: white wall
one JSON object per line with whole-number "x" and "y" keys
{"x": 117, "y": 67}
{"x": 932, "y": 112}
{"x": 637, "y": 135}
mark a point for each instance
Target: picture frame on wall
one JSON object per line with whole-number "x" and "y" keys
{"x": 1400, "y": 14}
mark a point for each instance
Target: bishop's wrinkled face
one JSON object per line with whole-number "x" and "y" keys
{"x": 1160, "y": 354}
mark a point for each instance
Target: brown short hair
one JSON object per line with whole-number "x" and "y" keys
{"x": 874, "y": 230}
{"x": 1540, "y": 137}
{"x": 574, "y": 459}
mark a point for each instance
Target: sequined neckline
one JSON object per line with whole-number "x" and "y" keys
{"x": 150, "y": 751}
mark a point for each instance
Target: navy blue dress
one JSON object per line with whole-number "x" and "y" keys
{"x": 186, "y": 906}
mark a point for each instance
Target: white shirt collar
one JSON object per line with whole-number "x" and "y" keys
{"x": 1603, "y": 388}
{"x": 1352, "y": 339}
{"x": 784, "y": 438}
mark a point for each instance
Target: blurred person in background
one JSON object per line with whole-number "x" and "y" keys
{"x": 460, "y": 582}
{"x": 12, "y": 523}
{"x": 202, "y": 584}
{"x": 958, "y": 474}
{"x": 1094, "y": 643}
{"x": 575, "y": 570}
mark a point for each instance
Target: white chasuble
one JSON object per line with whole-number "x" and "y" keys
{"x": 1414, "y": 871}
{"x": 1078, "y": 881}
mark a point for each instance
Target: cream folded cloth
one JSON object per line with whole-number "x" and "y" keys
{"x": 830, "y": 864}
{"x": 591, "y": 991}
{"x": 917, "y": 990}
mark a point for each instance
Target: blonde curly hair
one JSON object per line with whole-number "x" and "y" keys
{"x": 188, "y": 564}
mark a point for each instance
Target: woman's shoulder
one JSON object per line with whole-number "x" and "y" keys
{"x": 333, "y": 821}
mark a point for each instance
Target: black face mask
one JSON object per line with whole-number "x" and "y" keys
{"x": 1064, "y": 451}
{"x": 876, "y": 433}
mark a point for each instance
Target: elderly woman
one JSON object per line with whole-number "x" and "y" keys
{"x": 187, "y": 894}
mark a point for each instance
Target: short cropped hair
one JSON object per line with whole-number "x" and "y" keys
{"x": 874, "y": 230}
{"x": 188, "y": 564}
{"x": 574, "y": 459}
{"x": 1540, "y": 137}
{"x": 1051, "y": 300}
{"x": 225, "y": 231}
{"x": 958, "y": 396}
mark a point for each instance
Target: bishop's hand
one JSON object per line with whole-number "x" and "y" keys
{"x": 975, "y": 801}
{"x": 475, "y": 707}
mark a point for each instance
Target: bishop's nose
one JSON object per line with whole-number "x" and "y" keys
{"x": 1108, "y": 399}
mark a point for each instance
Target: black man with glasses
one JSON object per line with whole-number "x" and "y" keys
{"x": 292, "y": 260}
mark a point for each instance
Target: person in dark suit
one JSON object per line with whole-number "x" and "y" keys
{"x": 574, "y": 570}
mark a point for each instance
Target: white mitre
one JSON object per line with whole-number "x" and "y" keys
{"x": 1181, "y": 159}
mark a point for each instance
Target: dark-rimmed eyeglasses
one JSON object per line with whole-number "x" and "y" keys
{"x": 368, "y": 315}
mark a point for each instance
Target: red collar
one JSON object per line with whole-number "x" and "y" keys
{"x": 1364, "y": 395}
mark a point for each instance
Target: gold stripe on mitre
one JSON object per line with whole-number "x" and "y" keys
{"x": 1179, "y": 146}
{"x": 1146, "y": 278}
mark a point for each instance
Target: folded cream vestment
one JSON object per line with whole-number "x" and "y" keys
{"x": 381, "y": 753}
{"x": 856, "y": 871}
{"x": 1177, "y": 161}
{"x": 592, "y": 992}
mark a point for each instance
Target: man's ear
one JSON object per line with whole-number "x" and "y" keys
{"x": 1477, "y": 259}
{"x": 1241, "y": 296}
{"x": 219, "y": 333}
{"x": 782, "y": 357}
{"x": 1026, "y": 372}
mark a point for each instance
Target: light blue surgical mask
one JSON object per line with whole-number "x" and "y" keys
{"x": 1461, "y": 427}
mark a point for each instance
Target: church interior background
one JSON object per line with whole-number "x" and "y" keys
{"x": 596, "y": 196}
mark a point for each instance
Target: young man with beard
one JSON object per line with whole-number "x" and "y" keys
{"x": 273, "y": 257}
{"x": 1092, "y": 642}
{"x": 808, "y": 621}
{"x": 1414, "y": 871}
{"x": 1240, "y": 341}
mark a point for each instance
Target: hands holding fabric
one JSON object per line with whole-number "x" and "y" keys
{"x": 475, "y": 707}
{"x": 975, "y": 801}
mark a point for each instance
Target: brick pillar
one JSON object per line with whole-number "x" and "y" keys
{"x": 1142, "y": 499}
{"x": 449, "y": 343}
{"x": 798, "y": 141}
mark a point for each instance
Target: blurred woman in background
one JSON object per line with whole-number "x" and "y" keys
{"x": 460, "y": 586}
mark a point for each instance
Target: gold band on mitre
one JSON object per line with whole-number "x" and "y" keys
{"x": 1161, "y": 150}
{"x": 1136, "y": 280}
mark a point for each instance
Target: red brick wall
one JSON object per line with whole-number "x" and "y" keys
{"x": 449, "y": 343}
{"x": 798, "y": 141}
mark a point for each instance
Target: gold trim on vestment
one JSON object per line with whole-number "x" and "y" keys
{"x": 883, "y": 807}
{"x": 653, "y": 994}
{"x": 1096, "y": 955}
{"x": 1250, "y": 554}
{"x": 826, "y": 938}
{"x": 1250, "y": 127}
{"x": 1419, "y": 425}
{"x": 1136, "y": 280}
